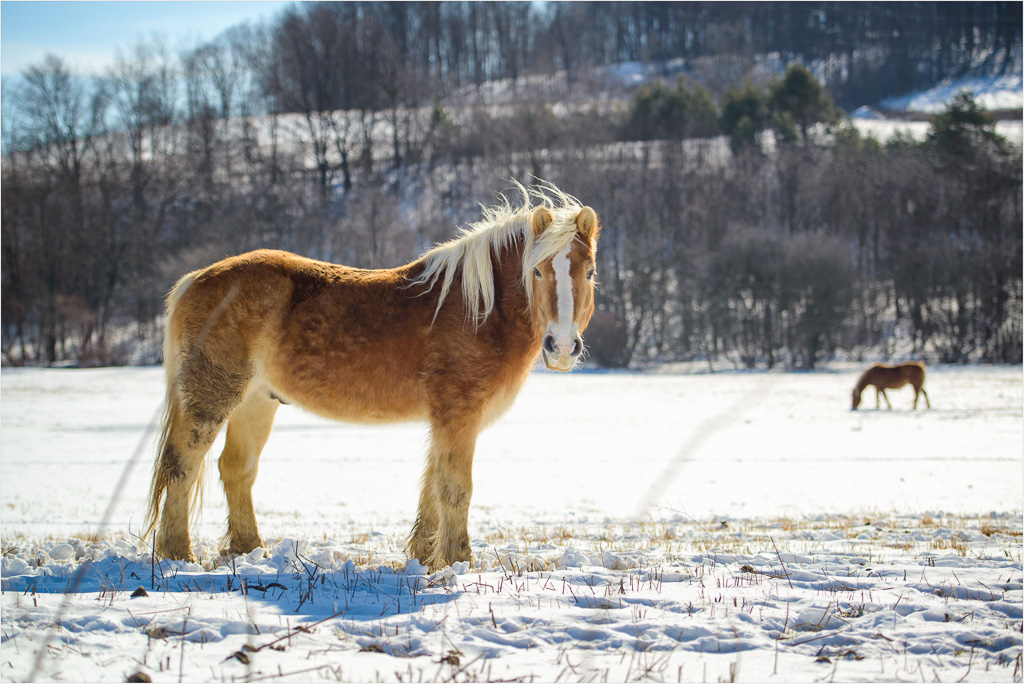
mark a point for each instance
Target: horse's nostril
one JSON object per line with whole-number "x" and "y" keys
{"x": 577, "y": 346}
{"x": 549, "y": 344}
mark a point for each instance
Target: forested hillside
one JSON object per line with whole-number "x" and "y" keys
{"x": 744, "y": 218}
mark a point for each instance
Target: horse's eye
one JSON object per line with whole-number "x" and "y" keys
{"x": 536, "y": 272}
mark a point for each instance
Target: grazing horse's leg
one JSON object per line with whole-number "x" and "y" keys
{"x": 451, "y": 460}
{"x": 249, "y": 428}
{"x": 886, "y": 397}
{"x": 920, "y": 390}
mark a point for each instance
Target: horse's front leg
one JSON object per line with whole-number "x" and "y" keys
{"x": 451, "y": 463}
{"x": 422, "y": 538}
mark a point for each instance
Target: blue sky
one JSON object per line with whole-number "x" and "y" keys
{"x": 88, "y": 34}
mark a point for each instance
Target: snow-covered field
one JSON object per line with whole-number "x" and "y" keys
{"x": 626, "y": 526}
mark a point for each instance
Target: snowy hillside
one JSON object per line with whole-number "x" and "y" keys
{"x": 609, "y": 86}
{"x": 694, "y": 527}
{"x": 995, "y": 93}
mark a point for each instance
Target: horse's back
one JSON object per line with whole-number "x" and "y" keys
{"x": 266, "y": 287}
{"x": 342, "y": 342}
{"x": 351, "y": 344}
{"x": 894, "y": 377}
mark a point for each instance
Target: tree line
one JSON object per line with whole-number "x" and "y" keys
{"x": 816, "y": 248}
{"x": 746, "y": 222}
{"x": 863, "y": 51}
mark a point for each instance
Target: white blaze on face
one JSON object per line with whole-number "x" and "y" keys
{"x": 563, "y": 331}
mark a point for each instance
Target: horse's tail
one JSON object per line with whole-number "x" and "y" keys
{"x": 172, "y": 411}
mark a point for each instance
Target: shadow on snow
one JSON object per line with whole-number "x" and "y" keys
{"x": 292, "y": 584}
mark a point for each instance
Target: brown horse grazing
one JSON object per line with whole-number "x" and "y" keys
{"x": 885, "y": 377}
{"x": 449, "y": 339}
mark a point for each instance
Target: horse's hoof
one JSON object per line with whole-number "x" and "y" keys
{"x": 187, "y": 557}
{"x": 228, "y": 555}
{"x": 244, "y": 548}
{"x": 419, "y": 551}
{"x": 436, "y": 564}
{"x": 176, "y": 552}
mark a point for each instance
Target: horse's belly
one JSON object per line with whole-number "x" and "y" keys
{"x": 365, "y": 402}
{"x": 356, "y": 406}
{"x": 363, "y": 412}
{"x": 370, "y": 391}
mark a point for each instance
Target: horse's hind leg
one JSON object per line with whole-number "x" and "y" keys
{"x": 920, "y": 390}
{"x": 249, "y": 428}
{"x": 179, "y": 477}
{"x": 203, "y": 397}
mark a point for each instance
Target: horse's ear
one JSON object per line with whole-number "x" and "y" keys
{"x": 542, "y": 218}
{"x": 587, "y": 225}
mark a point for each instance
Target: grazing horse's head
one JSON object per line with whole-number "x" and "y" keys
{"x": 563, "y": 289}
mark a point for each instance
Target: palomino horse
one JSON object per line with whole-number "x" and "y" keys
{"x": 449, "y": 339}
{"x": 885, "y": 377}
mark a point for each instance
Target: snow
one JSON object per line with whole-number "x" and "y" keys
{"x": 1005, "y": 91}
{"x": 867, "y": 113}
{"x": 658, "y": 525}
{"x": 1002, "y": 92}
{"x": 882, "y": 129}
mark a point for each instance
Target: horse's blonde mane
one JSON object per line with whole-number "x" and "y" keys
{"x": 500, "y": 227}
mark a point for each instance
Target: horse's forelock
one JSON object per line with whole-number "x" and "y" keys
{"x": 501, "y": 226}
{"x": 554, "y": 239}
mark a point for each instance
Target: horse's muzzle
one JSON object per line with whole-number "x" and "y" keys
{"x": 561, "y": 355}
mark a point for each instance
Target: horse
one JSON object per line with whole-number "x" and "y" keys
{"x": 448, "y": 339}
{"x": 885, "y": 377}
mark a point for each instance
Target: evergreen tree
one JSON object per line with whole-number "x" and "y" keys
{"x": 744, "y": 115}
{"x": 662, "y": 113}
{"x": 799, "y": 101}
{"x": 963, "y": 127}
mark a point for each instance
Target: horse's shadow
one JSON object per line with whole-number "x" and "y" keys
{"x": 301, "y": 588}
